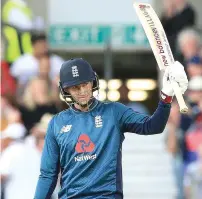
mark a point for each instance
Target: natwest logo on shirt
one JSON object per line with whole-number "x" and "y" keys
{"x": 85, "y": 157}
{"x": 84, "y": 144}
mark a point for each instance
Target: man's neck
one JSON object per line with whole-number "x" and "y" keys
{"x": 86, "y": 108}
{"x": 79, "y": 107}
{"x": 35, "y": 55}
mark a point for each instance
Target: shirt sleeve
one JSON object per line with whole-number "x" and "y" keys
{"x": 49, "y": 165}
{"x": 134, "y": 122}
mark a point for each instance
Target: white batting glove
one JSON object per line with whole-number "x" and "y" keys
{"x": 177, "y": 73}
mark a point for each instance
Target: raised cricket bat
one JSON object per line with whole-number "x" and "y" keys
{"x": 159, "y": 44}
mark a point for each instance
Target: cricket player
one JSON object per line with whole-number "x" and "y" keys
{"x": 84, "y": 142}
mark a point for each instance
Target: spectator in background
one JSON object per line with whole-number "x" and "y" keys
{"x": 195, "y": 94}
{"x": 193, "y": 135}
{"x": 11, "y": 136}
{"x": 8, "y": 85}
{"x": 16, "y": 13}
{"x": 193, "y": 139}
{"x": 4, "y": 122}
{"x": 180, "y": 128}
{"x": 177, "y": 15}
{"x": 174, "y": 146}
{"x": 194, "y": 67}
{"x": 38, "y": 129}
{"x": 7, "y": 103}
{"x": 189, "y": 43}
{"x": 44, "y": 67}
{"x": 27, "y": 66}
{"x": 36, "y": 101}
{"x": 14, "y": 130}
{"x": 193, "y": 177}
{"x": 16, "y": 28}
{"x": 44, "y": 72}
{"x": 20, "y": 164}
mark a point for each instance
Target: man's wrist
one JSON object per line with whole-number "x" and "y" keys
{"x": 165, "y": 98}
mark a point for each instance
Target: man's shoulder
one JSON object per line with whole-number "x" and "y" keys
{"x": 113, "y": 105}
{"x": 26, "y": 56}
{"x": 106, "y": 104}
{"x": 65, "y": 113}
{"x": 24, "y": 59}
{"x": 56, "y": 58}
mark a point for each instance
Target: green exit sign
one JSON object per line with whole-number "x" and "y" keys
{"x": 91, "y": 36}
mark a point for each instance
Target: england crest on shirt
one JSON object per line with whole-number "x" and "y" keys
{"x": 98, "y": 121}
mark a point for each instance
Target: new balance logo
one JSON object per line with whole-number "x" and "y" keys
{"x": 66, "y": 129}
{"x": 98, "y": 121}
{"x": 75, "y": 71}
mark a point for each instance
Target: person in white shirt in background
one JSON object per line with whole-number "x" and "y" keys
{"x": 11, "y": 141}
{"x": 37, "y": 129}
{"x": 27, "y": 66}
{"x": 193, "y": 178}
{"x": 15, "y": 130}
{"x": 20, "y": 164}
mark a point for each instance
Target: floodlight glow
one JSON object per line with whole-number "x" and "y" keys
{"x": 102, "y": 84}
{"x": 114, "y": 84}
{"x": 137, "y": 95}
{"x": 141, "y": 84}
{"x": 113, "y": 95}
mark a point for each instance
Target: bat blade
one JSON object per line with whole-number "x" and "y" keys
{"x": 159, "y": 44}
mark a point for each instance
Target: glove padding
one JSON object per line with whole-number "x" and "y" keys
{"x": 177, "y": 73}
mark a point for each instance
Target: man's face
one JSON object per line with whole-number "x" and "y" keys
{"x": 81, "y": 93}
{"x": 44, "y": 67}
{"x": 194, "y": 70}
{"x": 195, "y": 96}
{"x": 40, "y": 48}
{"x": 189, "y": 47}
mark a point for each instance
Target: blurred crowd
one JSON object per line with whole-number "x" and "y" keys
{"x": 30, "y": 97}
{"x": 184, "y": 139}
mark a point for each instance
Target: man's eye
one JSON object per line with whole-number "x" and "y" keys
{"x": 84, "y": 84}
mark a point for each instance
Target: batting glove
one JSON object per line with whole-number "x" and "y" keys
{"x": 176, "y": 73}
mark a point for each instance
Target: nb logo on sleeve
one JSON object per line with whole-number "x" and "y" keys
{"x": 66, "y": 129}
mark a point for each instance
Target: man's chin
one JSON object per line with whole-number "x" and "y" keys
{"x": 83, "y": 103}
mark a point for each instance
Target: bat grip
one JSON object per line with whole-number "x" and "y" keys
{"x": 179, "y": 97}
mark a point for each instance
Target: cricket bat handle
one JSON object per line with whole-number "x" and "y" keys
{"x": 179, "y": 97}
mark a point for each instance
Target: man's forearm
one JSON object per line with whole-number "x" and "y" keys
{"x": 45, "y": 187}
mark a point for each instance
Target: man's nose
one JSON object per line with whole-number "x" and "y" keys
{"x": 82, "y": 89}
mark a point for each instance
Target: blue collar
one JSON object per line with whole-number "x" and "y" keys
{"x": 94, "y": 103}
